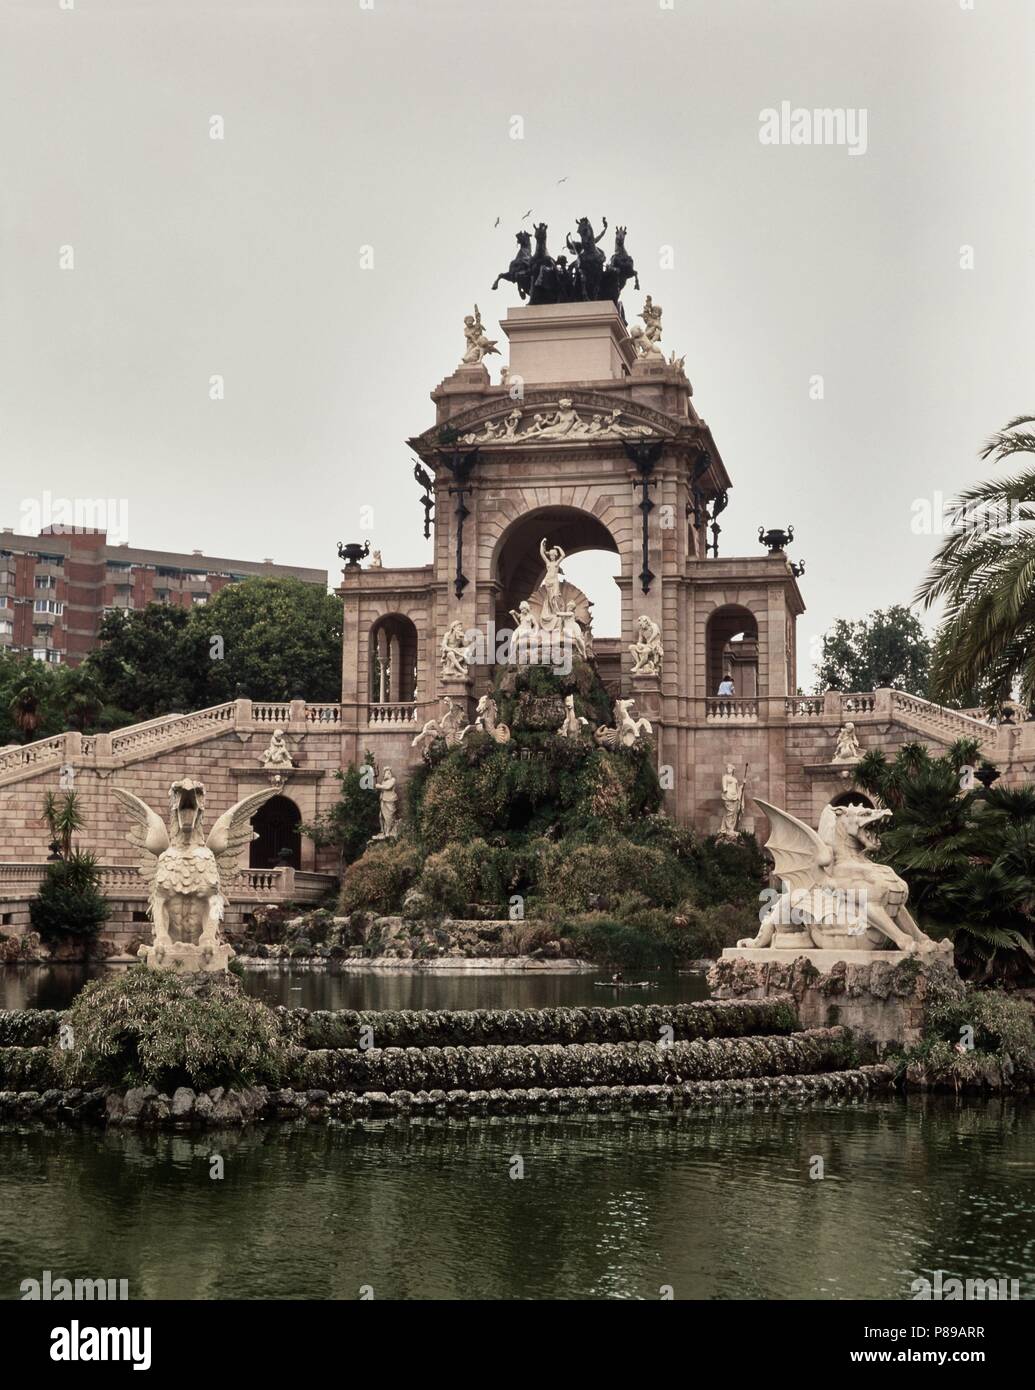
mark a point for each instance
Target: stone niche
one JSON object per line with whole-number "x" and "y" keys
{"x": 880, "y": 1000}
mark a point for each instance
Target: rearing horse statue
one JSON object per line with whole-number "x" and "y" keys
{"x": 519, "y": 271}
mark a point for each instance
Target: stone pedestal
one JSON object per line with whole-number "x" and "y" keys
{"x": 187, "y": 958}
{"x": 568, "y": 343}
{"x": 880, "y": 997}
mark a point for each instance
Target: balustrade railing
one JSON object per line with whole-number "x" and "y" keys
{"x": 727, "y": 709}
{"x": 402, "y": 712}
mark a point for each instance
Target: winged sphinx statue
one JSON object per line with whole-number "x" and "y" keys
{"x": 833, "y": 896}
{"x": 188, "y": 872}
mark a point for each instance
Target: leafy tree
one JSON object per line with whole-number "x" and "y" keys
{"x": 984, "y": 571}
{"x": 353, "y": 818}
{"x": 888, "y": 648}
{"x": 272, "y": 639}
{"x": 70, "y": 902}
{"x": 967, "y": 855}
{"x": 144, "y": 662}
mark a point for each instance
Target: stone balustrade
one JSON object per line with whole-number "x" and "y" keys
{"x": 728, "y": 709}
{"x": 123, "y": 881}
{"x": 403, "y": 712}
{"x": 138, "y": 741}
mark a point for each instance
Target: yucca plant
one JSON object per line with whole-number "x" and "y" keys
{"x": 64, "y": 819}
{"x": 984, "y": 571}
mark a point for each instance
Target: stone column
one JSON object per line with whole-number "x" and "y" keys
{"x": 394, "y": 671}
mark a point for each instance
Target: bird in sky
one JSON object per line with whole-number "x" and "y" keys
{"x": 564, "y": 180}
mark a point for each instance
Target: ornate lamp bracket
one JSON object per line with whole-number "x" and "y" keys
{"x": 645, "y": 457}
{"x": 719, "y": 505}
{"x": 460, "y": 463}
{"x": 427, "y": 501}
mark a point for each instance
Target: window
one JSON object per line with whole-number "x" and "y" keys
{"x": 6, "y": 628}
{"x": 199, "y": 600}
{"x": 48, "y": 605}
{"x": 45, "y": 581}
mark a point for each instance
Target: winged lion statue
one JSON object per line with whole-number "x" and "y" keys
{"x": 188, "y": 872}
{"x": 832, "y": 895}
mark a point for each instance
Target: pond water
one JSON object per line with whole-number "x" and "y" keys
{"x": 54, "y": 987}
{"x": 716, "y": 1203}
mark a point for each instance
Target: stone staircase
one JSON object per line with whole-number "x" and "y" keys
{"x": 351, "y": 1066}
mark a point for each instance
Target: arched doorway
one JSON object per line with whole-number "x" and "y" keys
{"x": 518, "y": 567}
{"x": 393, "y": 660}
{"x": 852, "y": 798}
{"x": 732, "y": 645}
{"x": 278, "y": 843}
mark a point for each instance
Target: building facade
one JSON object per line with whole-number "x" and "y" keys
{"x": 57, "y": 586}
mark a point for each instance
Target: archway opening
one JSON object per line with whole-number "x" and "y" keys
{"x": 852, "y": 798}
{"x": 279, "y": 843}
{"x": 732, "y": 645}
{"x": 393, "y": 660}
{"x": 592, "y": 563}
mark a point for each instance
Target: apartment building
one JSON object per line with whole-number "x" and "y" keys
{"x": 55, "y": 587}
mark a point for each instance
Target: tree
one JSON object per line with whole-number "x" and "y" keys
{"x": 271, "y": 639}
{"x": 967, "y": 853}
{"x": 143, "y": 663}
{"x": 888, "y": 648}
{"x": 64, "y": 818}
{"x": 984, "y": 571}
{"x": 353, "y": 818}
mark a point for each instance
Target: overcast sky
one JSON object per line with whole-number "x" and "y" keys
{"x": 389, "y": 126}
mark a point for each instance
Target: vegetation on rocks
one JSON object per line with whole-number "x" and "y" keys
{"x": 974, "y": 1039}
{"x": 559, "y": 832}
{"x": 154, "y": 1027}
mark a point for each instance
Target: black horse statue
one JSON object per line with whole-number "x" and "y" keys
{"x": 519, "y": 272}
{"x": 589, "y": 269}
{"x": 620, "y": 269}
{"x": 551, "y": 279}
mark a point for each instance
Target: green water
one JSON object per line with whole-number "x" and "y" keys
{"x": 715, "y": 1203}
{"x": 54, "y": 987}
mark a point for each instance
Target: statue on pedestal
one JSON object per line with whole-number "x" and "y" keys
{"x": 833, "y": 896}
{"x": 647, "y": 651}
{"x": 188, "y": 872}
{"x": 478, "y": 345}
{"x": 847, "y": 749}
{"x": 454, "y": 652}
{"x": 385, "y": 786}
{"x": 732, "y": 804}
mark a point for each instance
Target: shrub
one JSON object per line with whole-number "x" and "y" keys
{"x": 69, "y": 902}
{"x": 378, "y": 880}
{"x": 154, "y": 1027}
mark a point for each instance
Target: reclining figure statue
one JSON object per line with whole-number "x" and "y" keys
{"x": 833, "y": 896}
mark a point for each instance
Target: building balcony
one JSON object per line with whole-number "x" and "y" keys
{"x": 729, "y": 709}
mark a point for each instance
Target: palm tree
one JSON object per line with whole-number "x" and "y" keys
{"x": 984, "y": 571}
{"x": 64, "y": 819}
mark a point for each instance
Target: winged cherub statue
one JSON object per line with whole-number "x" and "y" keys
{"x": 188, "y": 873}
{"x": 833, "y": 896}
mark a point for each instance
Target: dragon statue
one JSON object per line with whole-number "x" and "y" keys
{"x": 189, "y": 872}
{"x": 833, "y": 896}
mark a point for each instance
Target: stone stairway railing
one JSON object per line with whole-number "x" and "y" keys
{"x": 137, "y": 741}
{"x": 924, "y": 716}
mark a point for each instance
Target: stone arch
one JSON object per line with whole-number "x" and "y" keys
{"x": 731, "y": 646}
{"x": 392, "y": 659}
{"x": 516, "y": 566}
{"x": 851, "y": 798}
{"x": 277, "y": 841}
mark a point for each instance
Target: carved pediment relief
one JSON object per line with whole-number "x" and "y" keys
{"x": 573, "y": 418}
